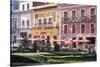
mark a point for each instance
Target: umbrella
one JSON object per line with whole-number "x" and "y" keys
{"x": 84, "y": 41}
{"x": 69, "y": 42}
{"x": 37, "y": 39}
{"x": 66, "y": 42}
{"x": 19, "y": 38}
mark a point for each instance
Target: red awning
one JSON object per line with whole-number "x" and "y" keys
{"x": 69, "y": 42}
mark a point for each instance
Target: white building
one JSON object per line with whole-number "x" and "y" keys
{"x": 25, "y": 19}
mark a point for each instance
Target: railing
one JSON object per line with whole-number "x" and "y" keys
{"x": 65, "y": 19}
{"x": 44, "y": 26}
{"x": 83, "y": 19}
{"x": 48, "y": 26}
{"x": 80, "y": 19}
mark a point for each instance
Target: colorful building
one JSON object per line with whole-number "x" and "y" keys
{"x": 45, "y": 22}
{"x": 26, "y": 17}
{"x": 78, "y": 22}
{"x": 57, "y": 21}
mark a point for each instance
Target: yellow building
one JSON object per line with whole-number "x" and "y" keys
{"x": 45, "y": 22}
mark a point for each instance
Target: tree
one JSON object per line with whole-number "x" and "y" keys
{"x": 56, "y": 47}
{"x": 48, "y": 44}
{"x": 35, "y": 46}
{"x": 25, "y": 43}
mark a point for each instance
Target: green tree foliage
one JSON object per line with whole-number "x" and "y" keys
{"x": 25, "y": 43}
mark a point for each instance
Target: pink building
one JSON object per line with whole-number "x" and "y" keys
{"x": 78, "y": 22}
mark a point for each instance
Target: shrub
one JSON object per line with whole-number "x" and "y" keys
{"x": 25, "y": 43}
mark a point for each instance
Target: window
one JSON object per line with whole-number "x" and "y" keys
{"x": 23, "y": 6}
{"x": 45, "y": 21}
{"x": 92, "y": 28}
{"x": 28, "y": 6}
{"x": 40, "y": 22}
{"x": 27, "y": 23}
{"x": 92, "y": 11}
{"x": 73, "y": 28}
{"x": 23, "y": 23}
{"x": 73, "y": 14}
{"x": 36, "y": 15}
{"x": 50, "y": 20}
{"x": 93, "y": 16}
{"x": 65, "y": 17}
{"x": 23, "y": 34}
{"x": 82, "y": 13}
{"x": 82, "y": 28}
{"x": 65, "y": 14}
{"x": 30, "y": 35}
{"x": 65, "y": 29}
{"x": 83, "y": 18}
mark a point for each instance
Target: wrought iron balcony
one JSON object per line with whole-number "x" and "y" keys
{"x": 74, "y": 19}
{"x": 84, "y": 19}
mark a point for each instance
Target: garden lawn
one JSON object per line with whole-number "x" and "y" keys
{"x": 59, "y": 57}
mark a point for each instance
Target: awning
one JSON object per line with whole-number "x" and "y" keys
{"x": 81, "y": 41}
{"x": 69, "y": 42}
{"x": 19, "y": 38}
{"x": 36, "y": 39}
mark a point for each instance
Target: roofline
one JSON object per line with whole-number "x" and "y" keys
{"x": 44, "y": 6}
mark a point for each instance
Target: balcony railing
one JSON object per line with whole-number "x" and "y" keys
{"x": 65, "y": 19}
{"x": 83, "y": 19}
{"x": 79, "y": 19}
{"x": 49, "y": 25}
